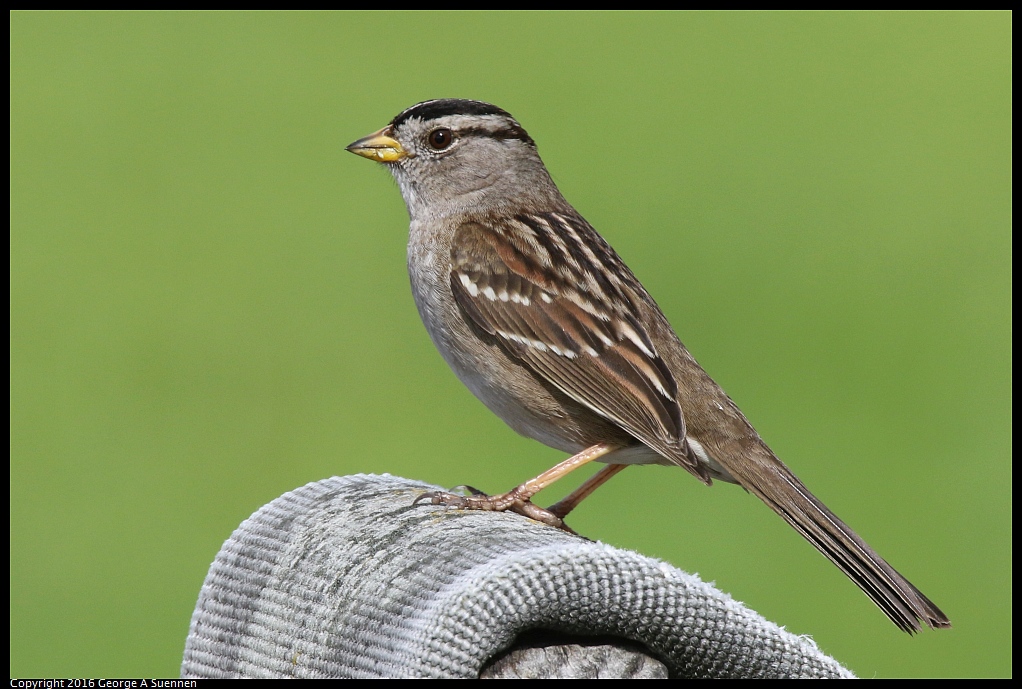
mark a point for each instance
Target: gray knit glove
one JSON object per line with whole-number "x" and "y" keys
{"x": 346, "y": 578}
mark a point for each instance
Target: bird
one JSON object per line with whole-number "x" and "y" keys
{"x": 543, "y": 322}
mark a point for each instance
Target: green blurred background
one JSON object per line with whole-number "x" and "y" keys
{"x": 209, "y": 303}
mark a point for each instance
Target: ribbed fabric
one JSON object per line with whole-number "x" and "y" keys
{"x": 346, "y": 578}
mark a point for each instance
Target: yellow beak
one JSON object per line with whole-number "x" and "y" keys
{"x": 379, "y": 146}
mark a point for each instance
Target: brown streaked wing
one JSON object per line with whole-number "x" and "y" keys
{"x": 530, "y": 283}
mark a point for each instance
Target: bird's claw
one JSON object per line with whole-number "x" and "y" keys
{"x": 494, "y": 503}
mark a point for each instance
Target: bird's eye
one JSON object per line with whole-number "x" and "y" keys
{"x": 439, "y": 139}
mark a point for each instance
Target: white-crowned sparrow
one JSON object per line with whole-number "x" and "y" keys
{"x": 544, "y": 323}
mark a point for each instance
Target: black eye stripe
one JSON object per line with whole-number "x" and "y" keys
{"x": 441, "y": 138}
{"x": 509, "y": 132}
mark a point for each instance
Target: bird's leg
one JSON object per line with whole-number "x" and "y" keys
{"x": 518, "y": 499}
{"x": 570, "y": 502}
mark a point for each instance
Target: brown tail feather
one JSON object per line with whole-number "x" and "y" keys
{"x": 893, "y": 593}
